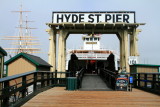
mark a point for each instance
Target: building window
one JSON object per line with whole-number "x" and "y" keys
{"x": 87, "y": 39}
{"x": 91, "y": 39}
{"x": 95, "y": 39}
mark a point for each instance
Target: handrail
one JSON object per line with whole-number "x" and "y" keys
{"x": 109, "y": 77}
{"x": 145, "y": 73}
{"x": 16, "y": 76}
{"x": 16, "y": 90}
{"x": 80, "y": 75}
{"x": 147, "y": 81}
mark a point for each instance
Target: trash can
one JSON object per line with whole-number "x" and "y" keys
{"x": 71, "y": 83}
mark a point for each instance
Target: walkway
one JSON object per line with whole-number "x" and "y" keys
{"x": 59, "y": 97}
{"x": 93, "y": 82}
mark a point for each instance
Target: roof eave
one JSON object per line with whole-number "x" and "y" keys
{"x": 3, "y": 51}
{"x": 21, "y": 54}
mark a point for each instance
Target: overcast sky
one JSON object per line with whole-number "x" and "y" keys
{"x": 147, "y": 11}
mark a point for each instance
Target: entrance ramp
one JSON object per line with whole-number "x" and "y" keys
{"x": 93, "y": 82}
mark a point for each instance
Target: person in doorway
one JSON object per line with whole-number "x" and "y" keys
{"x": 120, "y": 70}
{"x": 124, "y": 70}
{"x": 73, "y": 65}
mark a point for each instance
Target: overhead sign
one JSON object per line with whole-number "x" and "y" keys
{"x": 94, "y": 17}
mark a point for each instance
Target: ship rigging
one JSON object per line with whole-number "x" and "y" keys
{"x": 24, "y": 41}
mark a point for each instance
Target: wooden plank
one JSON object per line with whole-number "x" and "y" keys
{"x": 59, "y": 97}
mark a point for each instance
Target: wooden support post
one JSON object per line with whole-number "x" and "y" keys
{"x": 153, "y": 81}
{"x": 121, "y": 55}
{"x": 133, "y": 42}
{"x": 35, "y": 82}
{"x": 139, "y": 77}
{"x": 124, "y": 50}
{"x": 42, "y": 80}
{"x": 48, "y": 78}
{"x": 63, "y": 53}
{"x": 52, "y": 48}
{"x": 24, "y": 91}
{"x": 62, "y": 50}
{"x": 145, "y": 78}
{"x": 52, "y": 79}
{"x": 5, "y": 102}
{"x": 135, "y": 80}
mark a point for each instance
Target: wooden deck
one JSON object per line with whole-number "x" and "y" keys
{"x": 59, "y": 97}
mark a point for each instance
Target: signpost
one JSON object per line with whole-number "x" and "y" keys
{"x": 130, "y": 82}
{"x": 133, "y": 60}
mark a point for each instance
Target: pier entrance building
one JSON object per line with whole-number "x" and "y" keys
{"x": 121, "y": 23}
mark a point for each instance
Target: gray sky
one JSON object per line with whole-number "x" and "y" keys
{"x": 147, "y": 11}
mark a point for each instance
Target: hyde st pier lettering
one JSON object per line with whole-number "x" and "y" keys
{"x": 92, "y": 18}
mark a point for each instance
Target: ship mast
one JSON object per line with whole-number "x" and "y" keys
{"x": 25, "y": 40}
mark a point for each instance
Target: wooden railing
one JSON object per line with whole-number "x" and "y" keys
{"x": 108, "y": 77}
{"x": 16, "y": 90}
{"x": 147, "y": 81}
{"x": 80, "y": 75}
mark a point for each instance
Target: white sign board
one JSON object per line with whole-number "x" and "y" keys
{"x": 93, "y": 17}
{"x": 133, "y": 60}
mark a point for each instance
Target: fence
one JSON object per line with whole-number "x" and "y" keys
{"x": 109, "y": 77}
{"x": 16, "y": 90}
{"x": 147, "y": 81}
{"x": 80, "y": 75}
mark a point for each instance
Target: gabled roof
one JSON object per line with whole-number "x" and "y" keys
{"x": 3, "y": 51}
{"x": 34, "y": 59}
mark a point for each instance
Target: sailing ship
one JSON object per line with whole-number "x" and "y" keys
{"x": 24, "y": 41}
